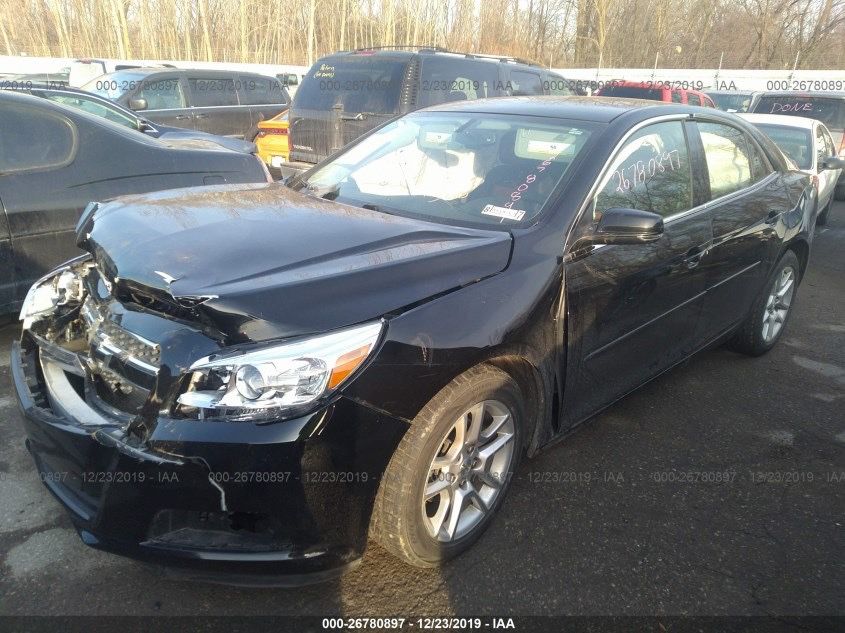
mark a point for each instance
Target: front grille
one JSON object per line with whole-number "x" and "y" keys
{"x": 125, "y": 343}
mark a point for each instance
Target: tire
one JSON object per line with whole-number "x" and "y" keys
{"x": 401, "y": 522}
{"x": 751, "y": 338}
{"x": 839, "y": 192}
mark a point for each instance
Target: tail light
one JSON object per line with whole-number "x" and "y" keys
{"x": 273, "y": 131}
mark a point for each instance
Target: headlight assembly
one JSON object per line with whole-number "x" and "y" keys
{"x": 60, "y": 287}
{"x": 277, "y": 380}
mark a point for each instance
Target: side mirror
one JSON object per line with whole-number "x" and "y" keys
{"x": 627, "y": 226}
{"x": 834, "y": 162}
{"x": 137, "y": 104}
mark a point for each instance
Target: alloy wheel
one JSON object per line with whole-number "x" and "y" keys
{"x": 468, "y": 471}
{"x": 777, "y": 305}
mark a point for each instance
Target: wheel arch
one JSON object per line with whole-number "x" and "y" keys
{"x": 801, "y": 248}
{"x": 536, "y": 379}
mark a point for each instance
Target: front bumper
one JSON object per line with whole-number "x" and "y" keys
{"x": 267, "y": 504}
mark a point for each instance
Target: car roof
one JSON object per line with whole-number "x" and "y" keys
{"x": 598, "y": 109}
{"x": 408, "y": 53}
{"x": 780, "y": 119}
{"x": 743, "y": 93}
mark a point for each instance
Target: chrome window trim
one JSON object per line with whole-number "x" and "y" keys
{"x": 606, "y": 168}
{"x": 677, "y": 216}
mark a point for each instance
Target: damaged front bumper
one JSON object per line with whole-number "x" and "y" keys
{"x": 255, "y": 503}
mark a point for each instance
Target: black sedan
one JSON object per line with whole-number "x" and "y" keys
{"x": 258, "y": 378}
{"x": 54, "y": 159}
{"x": 100, "y": 106}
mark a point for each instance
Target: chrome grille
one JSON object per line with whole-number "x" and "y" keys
{"x": 108, "y": 338}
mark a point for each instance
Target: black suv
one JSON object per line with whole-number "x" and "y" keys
{"x": 222, "y": 102}
{"x": 349, "y": 93}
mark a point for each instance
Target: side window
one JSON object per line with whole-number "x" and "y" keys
{"x": 211, "y": 91}
{"x": 33, "y": 139}
{"x": 162, "y": 94}
{"x": 676, "y": 96}
{"x": 525, "y": 83}
{"x": 733, "y": 162}
{"x": 93, "y": 107}
{"x": 557, "y": 85}
{"x": 693, "y": 99}
{"x": 651, "y": 173}
{"x": 254, "y": 90}
{"x": 445, "y": 79}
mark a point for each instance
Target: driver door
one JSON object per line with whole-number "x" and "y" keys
{"x": 633, "y": 309}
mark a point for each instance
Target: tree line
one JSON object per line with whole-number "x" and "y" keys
{"x": 762, "y": 34}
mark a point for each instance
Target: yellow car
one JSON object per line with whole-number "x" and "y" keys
{"x": 272, "y": 140}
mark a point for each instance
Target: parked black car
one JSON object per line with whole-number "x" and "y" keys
{"x": 108, "y": 109}
{"x": 54, "y": 159}
{"x": 228, "y": 103}
{"x": 273, "y": 373}
{"x": 349, "y": 93}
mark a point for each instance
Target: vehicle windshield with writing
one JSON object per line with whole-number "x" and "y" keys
{"x": 827, "y": 107}
{"x": 255, "y": 379}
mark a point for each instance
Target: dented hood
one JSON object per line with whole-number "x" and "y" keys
{"x": 263, "y": 261}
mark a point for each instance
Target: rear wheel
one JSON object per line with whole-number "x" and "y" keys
{"x": 451, "y": 471}
{"x": 765, "y": 323}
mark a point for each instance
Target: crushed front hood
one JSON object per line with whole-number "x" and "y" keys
{"x": 270, "y": 262}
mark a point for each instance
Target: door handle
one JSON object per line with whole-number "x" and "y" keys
{"x": 201, "y": 116}
{"x": 182, "y": 117}
{"x": 693, "y": 257}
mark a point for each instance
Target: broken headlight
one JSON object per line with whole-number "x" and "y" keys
{"x": 62, "y": 286}
{"x": 276, "y": 380}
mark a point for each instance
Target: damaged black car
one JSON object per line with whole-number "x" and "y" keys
{"x": 250, "y": 380}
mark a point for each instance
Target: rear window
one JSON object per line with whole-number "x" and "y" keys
{"x": 793, "y": 142}
{"x": 830, "y": 111}
{"x": 732, "y": 102}
{"x": 254, "y": 90}
{"x": 33, "y": 139}
{"x": 362, "y": 84}
{"x": 212, "y": 91}
{"x": 632, "y": 92}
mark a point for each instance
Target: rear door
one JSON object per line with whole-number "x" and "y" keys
{"x": 634, "y": 309}
{"x": 746, "y": 201}
{"x": 166, "y": 98}
{"x": 262, "y": 97}
{"x": 215, "y": 105}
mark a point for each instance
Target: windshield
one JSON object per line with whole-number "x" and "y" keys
{"x": 830, "y": 111}
{"x": 794, "y": 142}
{"x": 115, "y": 85}
{"x": 358, "y": 84}
{"x": 731, "y": 102}
{"x": 469, "y": 168}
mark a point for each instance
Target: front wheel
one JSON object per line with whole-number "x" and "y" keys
{"x": 451, "y": 471}
{"x": 765, "y": 323}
